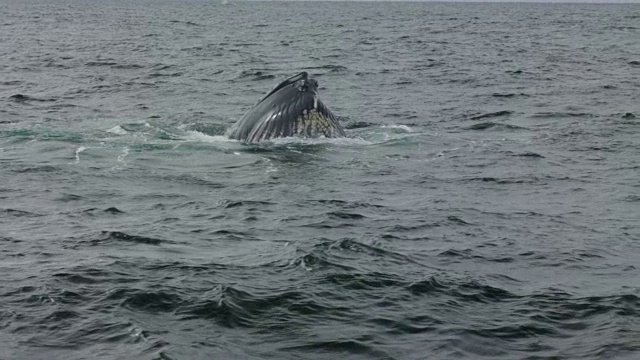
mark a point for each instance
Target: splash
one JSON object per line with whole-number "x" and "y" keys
{"x": 78, "y": 151}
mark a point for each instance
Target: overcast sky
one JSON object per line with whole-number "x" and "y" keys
{"x": 531, "y": 1}
{"x": 550, "y": 1}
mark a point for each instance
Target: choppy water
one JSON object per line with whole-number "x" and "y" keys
{"x": 486, "y": 204}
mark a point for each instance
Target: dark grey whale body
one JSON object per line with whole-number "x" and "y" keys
{"x": 291, "y": 109}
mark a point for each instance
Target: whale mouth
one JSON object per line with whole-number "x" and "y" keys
{"x": 292, "y": 108}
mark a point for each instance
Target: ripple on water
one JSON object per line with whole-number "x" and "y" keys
{"x": 482, "y": 206}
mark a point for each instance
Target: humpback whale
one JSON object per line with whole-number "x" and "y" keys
{"x": 291, "y": 109}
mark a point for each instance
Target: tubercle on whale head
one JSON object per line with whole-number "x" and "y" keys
{"x": 308, "y": 84}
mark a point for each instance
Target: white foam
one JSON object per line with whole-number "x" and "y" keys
{"x": 345, "y": 141}
{"x": 78, "y": 151}
{"x": 399, "y": 127}
{"x": 270, "y": 167}
{"x": 124, "y": 154}
{"x": 198, "y": 136}
{"x": 118, "y": 130}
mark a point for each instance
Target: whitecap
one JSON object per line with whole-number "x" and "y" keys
{"x": 118, "y": 130}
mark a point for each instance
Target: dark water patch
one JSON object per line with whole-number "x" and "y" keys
{"x": 149, "y": 301}
{"x": 128, "y": 66}
{"x": 629, "y": 116}
{"x": 404, "y": 115}
{"x": 475, "y": 291}
{"x": 192, "y": 179}
{"x": 367, "y": 281}
{"x": 567, "y": 311}
{"x": 457, "y": 220}
{"x": 632, "y": 198}
{"x": 160, "y": 66}
{"x": 121, "y": 236}
{"x": 157, "y": 74}
{"x": 232, "y": 234}
{"x": 318, "y": 259}
{"x": 495, "y": 126}
{"x": 403, "y": 229}
{"x": 345, "y": 215}
{"x": 346, "y": 204}
{"x": 464, "y": 254}
{"x": 189, "y": 23}
{"x": 256, "y": 75}
{"x": 527, "y": 154}
{"x": 430, "y": 285}
{"x": 331, "y": 68}
{"x": 340, "y": 348}
{"x": 76, "y": 278}
{"x": 83, "y": 275}
{"x": 230, "y": 307}
{"x": 19, "y": 213}
{"x": 513, "y": 180}
{"x": 634, "y": 62}
{"x": 252, "y": 204}
{"x": 514, "y": 332}
{"x": 113, "y": 210}
{"x": 559, "y": 115}
{"x": 464, "y": 291}
{"x": 414, "y": 325}
{"x": 509, "y": 95}
{"x": 18, "y": 98}
{"x": 67, "y": 197}
{"x": 60, "y": 316}
{"x": 21, "y": 98}
{"x": 71, "y": 297}
{"x": 492, "y": 115}
{"x": 11, "y": 83}
{"x": 468, "y": 254}
{"x": 56, "y": 107}
{"x": 20, "y": 290}
{"x": 96, "y": 332}
{"x": 38, "y": 169}
{"x": 428, "y": 64}
{"x": 346, "y": 250}
{"x": 358, "y": 125}
{"x": 101, "y": 63}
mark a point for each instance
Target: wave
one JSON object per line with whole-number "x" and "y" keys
{"x": 494, "y": 126}
{"x": 21, "y": 98}
{"x": 124, "y": 237}
{"x": 492, "y": 115}
{"x": 256, "y": 75}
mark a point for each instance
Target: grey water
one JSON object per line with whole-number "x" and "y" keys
{"x": 486, "y": 203}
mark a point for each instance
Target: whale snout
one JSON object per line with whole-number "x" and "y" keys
{"x": 309, "y": 85}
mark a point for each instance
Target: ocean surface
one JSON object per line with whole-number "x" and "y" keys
{"x": 486, "y": 203}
